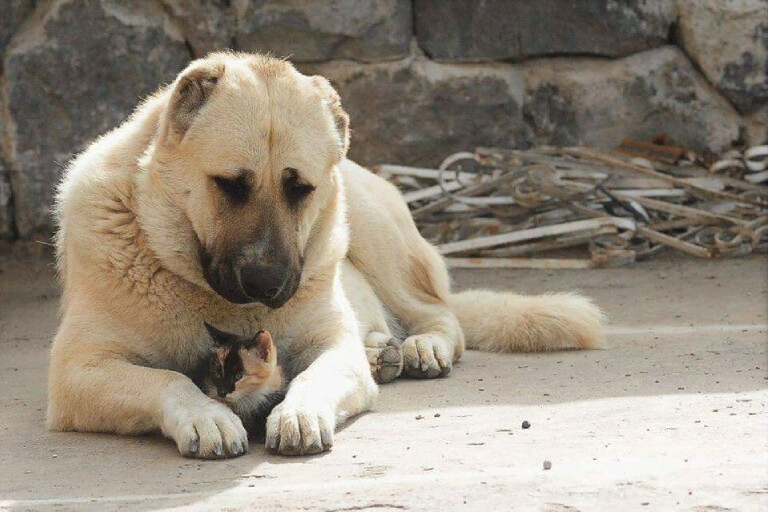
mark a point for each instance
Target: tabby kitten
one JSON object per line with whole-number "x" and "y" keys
{"x": 243, "y": 373}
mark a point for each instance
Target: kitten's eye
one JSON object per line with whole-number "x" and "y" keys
{"x": 236, "y": 189}
{"x": 296, "y": 190}
{"x": 238, "y": 376}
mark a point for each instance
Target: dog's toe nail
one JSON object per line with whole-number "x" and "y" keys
{"x": 194, "y": 445}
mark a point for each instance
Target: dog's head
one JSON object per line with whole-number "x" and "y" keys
{"x": 247, "y": 151}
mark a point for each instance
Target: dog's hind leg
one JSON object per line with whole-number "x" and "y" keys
{"x": 382, "y": 349}
{"x": 405, "y": 271}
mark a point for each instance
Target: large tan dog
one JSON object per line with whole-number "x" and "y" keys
{"x": 227, "y": 198}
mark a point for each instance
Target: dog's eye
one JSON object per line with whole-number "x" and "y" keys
{"x": 235, "y": 189}
{"x": 296, "y": 190}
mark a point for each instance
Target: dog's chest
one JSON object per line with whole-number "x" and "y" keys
{"x": 177, "y": 337}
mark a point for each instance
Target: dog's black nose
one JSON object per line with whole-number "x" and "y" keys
{"x": 263, "y": 282}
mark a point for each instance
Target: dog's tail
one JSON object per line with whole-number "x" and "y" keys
{"x": 506, "y": 322}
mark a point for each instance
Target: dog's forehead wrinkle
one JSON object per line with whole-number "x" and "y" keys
{"x": 266, "y": 120}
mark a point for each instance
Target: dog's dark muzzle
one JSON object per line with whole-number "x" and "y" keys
{"x": 253, "y": 278}
{"x": 272, "y": 285}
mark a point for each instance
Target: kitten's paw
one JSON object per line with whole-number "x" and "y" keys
{"x": 300, "y": 429}
{"x": 206, "y": 429}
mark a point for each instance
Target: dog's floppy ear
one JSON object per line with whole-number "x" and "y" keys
{"x": 220, "y": 337}
{"x": 340, "y": 118}
{"x": 192, "y": 90}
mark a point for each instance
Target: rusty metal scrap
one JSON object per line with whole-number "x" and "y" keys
{"x": 498, "y": 208}
{"x": 666, "y": 154}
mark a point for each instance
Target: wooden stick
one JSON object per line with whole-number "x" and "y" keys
{"x": 698, "y": 172}
{"x": 685, "y": 222}
{"x": 657, "y": 192}
{"x": 545, "y": 245}
{"x": 671, "y": 241}
{"x": 475, "y": 190}
{"x": 678, "y": 209}
{"x": 535, "y": 263}
{"x": 426, "y": 193}
{"x": 419, "y": 172}
{"x": 540, "y": 232}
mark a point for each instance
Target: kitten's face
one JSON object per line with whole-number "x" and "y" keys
{"x": 226, "y": 370}
{"x": 243, "y": 365}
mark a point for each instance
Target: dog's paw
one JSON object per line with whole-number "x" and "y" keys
{"x": 208, "y": 430}
{"x": 386, "y": 362}
{"x": 302, "y": 429}
{"x": 426, "y": 356}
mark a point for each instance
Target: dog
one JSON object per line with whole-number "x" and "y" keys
{"x": 227, "y": 198}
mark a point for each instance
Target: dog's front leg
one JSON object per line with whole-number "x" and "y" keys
{"x": 322, "y": 397}
{"x": 335, "y": 386}
{"x": 95, "y": 387}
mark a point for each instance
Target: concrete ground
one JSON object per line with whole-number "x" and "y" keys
{"x": 671, "y": 417}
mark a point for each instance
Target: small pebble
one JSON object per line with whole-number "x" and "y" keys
{"x": 547, "y": 465}
{"x": 419, "y": 417}
{"x": 526, "y": 424}
{"x": 437, "y": 415}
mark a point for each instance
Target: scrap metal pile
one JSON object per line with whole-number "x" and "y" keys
{"x": 497, "y": 208}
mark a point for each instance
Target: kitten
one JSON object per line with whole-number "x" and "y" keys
{"x": 243, "y": 373}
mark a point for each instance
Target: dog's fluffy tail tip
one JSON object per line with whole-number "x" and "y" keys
{"x": 506, "y": 322}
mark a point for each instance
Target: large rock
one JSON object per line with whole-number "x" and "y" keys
{"x": 597, "y": 102}
{"x": 12, "y": 15}
{"x": 471, "y": 30}
{"x": 311, "y": 31}
{"x": 756, "y": 127}
{"x": 73, "y": 74}
{"x": 728, "y": 39}
{"x": 208, "y": 25}
{"x": 6, "y": 213}
{"x": 417, "y": 112}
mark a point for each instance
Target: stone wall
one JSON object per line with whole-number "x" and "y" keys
{"x": 420, "y": 78}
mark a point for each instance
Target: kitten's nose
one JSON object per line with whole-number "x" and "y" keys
{"x": 222, "y": 392}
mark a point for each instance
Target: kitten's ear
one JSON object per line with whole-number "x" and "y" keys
{"x": 263, "y": 347}
{"x": 219, "y": 337}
